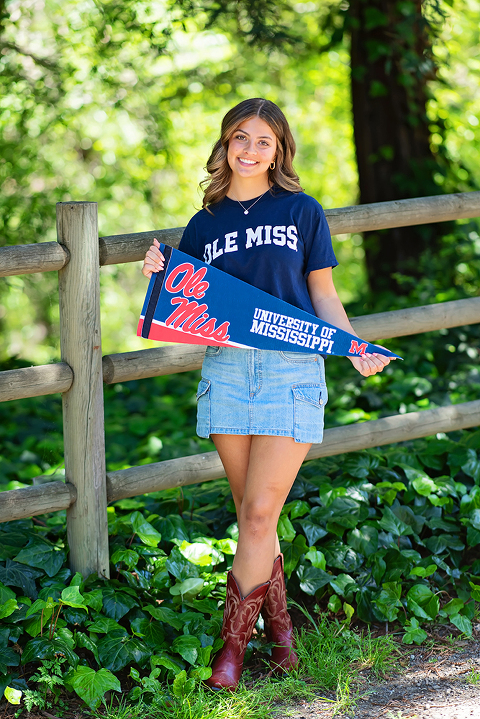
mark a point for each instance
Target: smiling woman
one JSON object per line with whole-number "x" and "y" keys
{"x": 263, "y": 409}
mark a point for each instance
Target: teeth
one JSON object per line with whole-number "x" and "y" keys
{"x": 249, "y": 162}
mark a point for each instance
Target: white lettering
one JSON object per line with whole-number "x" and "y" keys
{"x": 257, "y": 327}
{"x": 216, "y": 251}
{"x": 268, "y": 241}
{"x": 207, "y": 255}
{"x": 254, "y": 236}
{"x": 230, "y": 244}
{"x": 279, "y": 235}
{"x": 292, "y": 237}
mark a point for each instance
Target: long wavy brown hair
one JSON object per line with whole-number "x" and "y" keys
{"x": 216, "y": 186}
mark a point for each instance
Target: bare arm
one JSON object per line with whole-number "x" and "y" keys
{"x": 328, "y": 307}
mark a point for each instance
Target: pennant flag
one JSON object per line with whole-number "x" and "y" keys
{"x": 189, "y": 301}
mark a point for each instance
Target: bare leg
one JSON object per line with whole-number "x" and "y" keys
{"x": 261, "y": 471}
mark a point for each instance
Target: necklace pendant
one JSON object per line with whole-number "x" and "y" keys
{"x": 246, "y": 212}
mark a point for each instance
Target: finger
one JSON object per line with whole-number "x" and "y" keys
{"x": 156, "y": 242}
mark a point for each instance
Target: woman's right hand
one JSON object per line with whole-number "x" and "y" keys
{"x": 154, "y": 260}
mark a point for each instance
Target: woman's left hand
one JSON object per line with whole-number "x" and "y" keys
{"x": 370, "y": 364}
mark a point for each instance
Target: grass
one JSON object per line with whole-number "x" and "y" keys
{"x": 473, "y": 677}
{"x": 331, "y": 657}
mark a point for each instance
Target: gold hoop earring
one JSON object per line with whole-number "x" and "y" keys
{"x": 272, "y": 165}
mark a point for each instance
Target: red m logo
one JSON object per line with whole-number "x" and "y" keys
{"x": 356, "y": 349}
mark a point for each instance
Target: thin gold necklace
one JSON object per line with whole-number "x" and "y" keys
{"x": 245, "y": 210}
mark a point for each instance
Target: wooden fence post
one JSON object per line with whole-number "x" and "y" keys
{"x": 83, "y": 421}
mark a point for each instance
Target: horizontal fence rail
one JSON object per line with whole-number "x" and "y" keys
{"x": 126, "y": 366}
{"x": 115, "y": 249}
{"x": 52, "y": 496}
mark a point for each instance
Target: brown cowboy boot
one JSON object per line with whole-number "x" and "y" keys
{"x": 239, "y": 619}
{"x": 278, "y": 625}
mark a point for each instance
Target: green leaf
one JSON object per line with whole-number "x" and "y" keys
{"x": 424, "y": 486}
{"x": 13, "y": 696}
{"x": 83, "y": 641}
{"x": 285, "y": 529}
{"x": 414, "y": 633}
{"x": 91, "y": 686}
{"x": 390, "y": 523}
{"x": 201, "y": 553}
{"x": 388, "y": 600}
{"x": 453, "y": 607}
{"x": 473, "y": 536}
{"x": 112, "y": 651}
{"x": 144, "y": 530}
{"x": 297, "y": 508}
{"x": 472, "y": 467}
{"x": 189, "y": 588}
{"x": 6, "y": 594}
{"x": 187, "y": 647}
{"x": 180, "y": 567}
{"x": 43, "y": 648}
{"x": 343, "y": 585}
{"x": 104, "y": 625}
{"x": 291, "y": 555}
{"x": 182, "y": 686}
{"x": 8, "y": 658}
{"x": 364, "y": 540}
{"x": 127, "y": 556}
{"x": 312, "y": 530}
{"x": 165, "y": 615}
{"x": 317, "y": 558}
{"x": 475, "y": 593}
{"x": 42, "y": 554}
{"x": 462, "y": 623}
{"x": 72, "y": 598}
{"x": 334, "y": 604}
{"x": 117, "y": 603}
{"x": 94, "y": 599}
{"x": 8, "y": 608}
{"x": 18, "y": 575}
{"x": 151, "y": 632}
{"x": 312, "y": 579}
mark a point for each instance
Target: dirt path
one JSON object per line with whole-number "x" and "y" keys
{"x": 440, "y": 683}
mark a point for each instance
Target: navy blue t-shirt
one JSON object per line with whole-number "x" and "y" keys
{"x": 282, "y": 239}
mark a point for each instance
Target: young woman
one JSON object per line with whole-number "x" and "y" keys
{"x": 262, "y": 409}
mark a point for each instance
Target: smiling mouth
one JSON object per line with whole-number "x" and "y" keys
{"x": 247, "y": 163}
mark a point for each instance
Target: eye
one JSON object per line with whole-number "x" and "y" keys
{"x": 240, "y": 137}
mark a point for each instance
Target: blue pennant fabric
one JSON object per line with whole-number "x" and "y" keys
{"x": 190, "y": 301}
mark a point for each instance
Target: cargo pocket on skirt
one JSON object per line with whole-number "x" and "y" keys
{"x": 203, "y": 408}
{"x": 309, "y": 404}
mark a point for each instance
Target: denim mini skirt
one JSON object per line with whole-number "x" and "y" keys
{"x": 252, "y": 391}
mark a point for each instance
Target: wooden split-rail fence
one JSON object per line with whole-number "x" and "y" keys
{"x": 88, "y": 488}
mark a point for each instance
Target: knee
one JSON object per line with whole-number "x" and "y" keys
{"x": 258, "y": 518}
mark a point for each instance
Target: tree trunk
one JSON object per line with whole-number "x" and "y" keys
{"x": 391, "y": 63}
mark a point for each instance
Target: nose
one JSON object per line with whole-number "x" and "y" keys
{"x": 250, "y": 148}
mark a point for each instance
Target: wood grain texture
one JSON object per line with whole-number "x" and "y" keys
{"x": 153, "y": 362}
{"x": 205, "y": 467}
{"x": 35, "y": 381}
{"x": 415, "y": 320}
{"x": 403, "y": 213}
{"x": 26, "y": 259}
{"x": 83, "y": 426}
{"x": 30, "y": 501}
{"x": 115, "y": 249}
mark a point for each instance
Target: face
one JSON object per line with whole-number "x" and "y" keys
{"x": 252, "y": 148}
